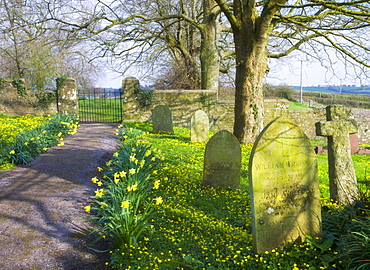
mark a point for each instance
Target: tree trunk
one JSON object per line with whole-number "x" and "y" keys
{"x": 210, "y": 63}
{"x": 251, "y": 32}
{"x": 251, "y": 65}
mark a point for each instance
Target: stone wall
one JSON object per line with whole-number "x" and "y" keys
{"x": 184, "y": 103}
{"x": 12, "y": 103}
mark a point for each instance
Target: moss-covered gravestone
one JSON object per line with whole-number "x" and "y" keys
{"x": 162, "y": 119}
{"x": 222, "y": 161}
{"x": 199, "y": 127}
{"x": 342, "y": 176}
{"x": 284, "y": 189}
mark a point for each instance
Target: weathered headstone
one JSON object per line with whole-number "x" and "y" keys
{"x": 284, "y": 188}
{"x": 342, "y": 177}
{"x": 353, "y": 140}
{"x": 222, "y": 161}
{"x": 162, "y": 119}
{"x": 199, "y": 127}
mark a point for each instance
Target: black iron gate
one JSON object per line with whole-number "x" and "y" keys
{"x": 100, "y": 105}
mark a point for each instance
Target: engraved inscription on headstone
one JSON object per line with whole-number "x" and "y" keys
{"x": 342, "y": 176}
{"x": 222, "y": 161}
{"x": 284, "y": 189}
{"x": 162, "y": 119}
{"x": 199, "y": 127}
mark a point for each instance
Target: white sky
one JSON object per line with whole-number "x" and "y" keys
{"x": 313, "y": 74}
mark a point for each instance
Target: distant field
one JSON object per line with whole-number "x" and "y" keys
{"x": 336, "y": 89}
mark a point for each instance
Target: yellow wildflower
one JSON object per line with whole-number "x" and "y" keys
{"x": 158, "y": 200}
{"x": 100, "y": 183}
{"x": 115, "y": 154}
{"x": 99, "y": 192}
{"x": 132, "y": 171}
{"x": 100, "y": 169}
{"x": 12, "y": 152}
{"x": 122, "y": 174}
{"x": 156, "y": 184}
{"x": 87, "y": 208}
{"x": 125, "y": 204}
{"x": 132, "y": 188}
{"x": 94, "y": 180}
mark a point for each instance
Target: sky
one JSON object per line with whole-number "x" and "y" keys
{"x": 282, "y": 73}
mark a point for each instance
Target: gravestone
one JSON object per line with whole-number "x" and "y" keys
{"x": 353, "y": 140}
{"x": 162, "y": 119}
{"x": 284, "y": 188}
{"x": 222, "y": 161}
{"x": 342, "y": 177}
{"x": 199, "y": 127}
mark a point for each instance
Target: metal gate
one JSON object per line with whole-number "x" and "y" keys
{"x": 100, "y": 105}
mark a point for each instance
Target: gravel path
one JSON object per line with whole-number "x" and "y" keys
{"x": 42, "y": 220}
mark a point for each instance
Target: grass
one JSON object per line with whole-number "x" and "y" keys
{"x": 104, "y": 110}
{"x": 207, "y": 228}
{"x": 295, "y": 105}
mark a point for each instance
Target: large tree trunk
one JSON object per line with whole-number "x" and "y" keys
{"x": 251, "y": 32}
{"x": 210, "y": 63}
{"x": 251, "y": 66}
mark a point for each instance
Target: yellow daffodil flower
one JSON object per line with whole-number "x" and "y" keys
{"x": 125, "y": 204}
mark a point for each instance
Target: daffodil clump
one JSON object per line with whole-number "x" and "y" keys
{"x": 22, "y": 138}
{"x": 208, "y": 228}
{"x": 126, "y": 194}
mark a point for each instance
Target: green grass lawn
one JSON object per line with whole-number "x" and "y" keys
{"x": 208, "y": 228}
{"x": 100, "y": 110}
{"x": 295, "y": 105}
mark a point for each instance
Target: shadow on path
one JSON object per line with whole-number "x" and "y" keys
{"x": 42, "y": 220}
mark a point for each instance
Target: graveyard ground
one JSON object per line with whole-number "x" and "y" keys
{"x": 206, "y": 228}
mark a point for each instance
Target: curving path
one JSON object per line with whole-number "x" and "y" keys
{"x": 42, "y": 220}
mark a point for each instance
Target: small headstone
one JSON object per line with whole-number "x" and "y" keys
{"x": 342, "y": 176}
{"x": 222, "y": 161}
{"x": 162, "y": 119}
{"x": 199, "y": 127}
{"x": 353, "y": 140}
{"x": 284, "y": 188}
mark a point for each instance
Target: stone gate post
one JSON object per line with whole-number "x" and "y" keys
{"x": 67, "y": 97}
{"x": 131, "y": 105}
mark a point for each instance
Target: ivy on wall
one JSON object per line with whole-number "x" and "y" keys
{"x": 20, "y": 86}
{"x": 143, "y": 96}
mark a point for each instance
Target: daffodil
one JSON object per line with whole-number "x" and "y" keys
{"x": 125, "y": 204}
{"x": 12, "y": 152}
{"x": 99, "y": 192}
{"x": 87, "y": 208}
{"x": 132, "y": 171}
{"x": 94, "y": 180}
{"x": 132, "y": 188}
